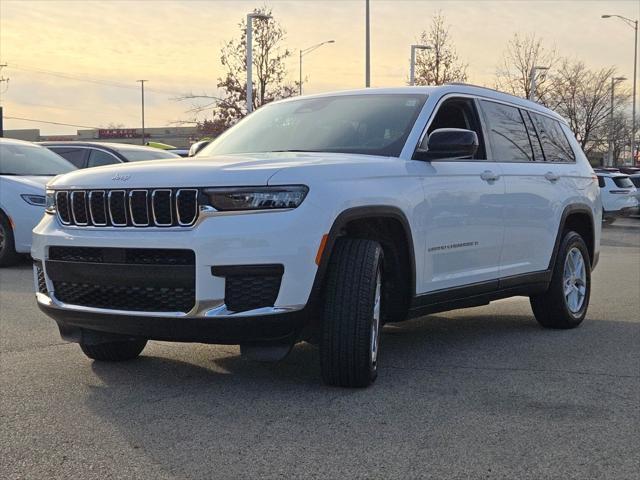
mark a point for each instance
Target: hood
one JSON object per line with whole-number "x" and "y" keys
{"x": 33, "y": 183}
{"x": 231, "y": 170}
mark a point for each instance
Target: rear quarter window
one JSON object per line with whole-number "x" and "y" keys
{"x": 623, "y": 182}
{"x": 555, "y": 143}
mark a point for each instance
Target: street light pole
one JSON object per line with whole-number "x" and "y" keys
{"x": 309, "y": 50}
{"x": 412, "y": 67}
{"x": 614, "y": 80}
{"x": 142, "y": 92}
{"x": 367, "y": 68}
{"x": 532, "y": 81}
{"x": 633, "y": 24}
{"x": 250, "y": 18}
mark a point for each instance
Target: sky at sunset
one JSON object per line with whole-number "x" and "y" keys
{"x": 53, "y": 47}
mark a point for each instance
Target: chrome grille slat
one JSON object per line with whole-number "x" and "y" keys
{"x": 187, "y": 215}
{"x": 138, "y": 207}
{"x": 155, "y": 211}
{"x": 117, "y": 209}
{"x": 62, "y": 203}
{"x": 79, "y": 207}
{"x": 134, "y": 205}
{"x": 98, "y": 208}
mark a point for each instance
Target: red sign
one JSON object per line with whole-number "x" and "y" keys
{"x": 118, "y": 133}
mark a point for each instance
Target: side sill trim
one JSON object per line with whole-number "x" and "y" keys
{"x": 481, "y": 293}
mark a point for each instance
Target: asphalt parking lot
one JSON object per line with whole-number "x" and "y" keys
{"x": 476, "y": 393}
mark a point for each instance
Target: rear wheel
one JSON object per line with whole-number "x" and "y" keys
{"x": 351, "y": 316}
{"x": 114, "y": 351}
{"x": 564, "y": 304}
{"x": 8, "y": 254}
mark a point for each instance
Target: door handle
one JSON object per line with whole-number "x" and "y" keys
{"x": 552, "y": 177}
{"x": 489, "y": 176}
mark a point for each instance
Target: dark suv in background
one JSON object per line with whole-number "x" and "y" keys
{"x": 95, "y": 154}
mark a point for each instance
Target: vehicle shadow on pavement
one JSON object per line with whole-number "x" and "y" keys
{"x": 191, "y": 414}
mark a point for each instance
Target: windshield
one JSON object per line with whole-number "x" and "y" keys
{"x": 25, "y": 159}
{"x": 371, "y": 124}
{"x": 136, "y": 155}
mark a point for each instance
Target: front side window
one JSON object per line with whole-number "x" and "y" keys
{"x": 19, "y": 159}
{"x": 370, "y": 124}
{"x": 555, "y": 144}
{"x": 460, "y": 113}
{"x": 507, "y": 133}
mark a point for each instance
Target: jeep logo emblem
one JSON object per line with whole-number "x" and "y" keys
{"x": 120, "y": 178}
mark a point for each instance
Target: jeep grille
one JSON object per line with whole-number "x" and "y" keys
{"x": 161, "y": 207}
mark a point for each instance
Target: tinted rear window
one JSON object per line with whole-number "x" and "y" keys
{"x": 507, "y": 133}
{"x": 635, "y": 181}
{"x": 623, "y": 182}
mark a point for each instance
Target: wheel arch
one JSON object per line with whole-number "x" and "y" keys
{"x": 578, "y": 218}
{"x": 347, "y": 221}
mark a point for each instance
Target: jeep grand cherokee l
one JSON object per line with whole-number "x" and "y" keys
{"x": 322, "y": 218}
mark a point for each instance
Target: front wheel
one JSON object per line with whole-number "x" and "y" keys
{"x": 351, "y": 315}
{"x": 564, "y": 305}
{"x": 114, "y": 351}
{"x": 8, "y": 255}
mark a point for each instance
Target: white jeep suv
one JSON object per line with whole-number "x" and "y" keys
{"x": 322, "y": 218}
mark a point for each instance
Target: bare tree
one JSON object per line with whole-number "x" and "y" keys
{"x": 269, "y": 76}
{"x": 521, "y": 55}
{"x": 583, "y": 97}
{"x": 439, "y": 64}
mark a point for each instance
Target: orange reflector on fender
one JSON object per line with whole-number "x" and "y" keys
{"x": 323, "y": 243}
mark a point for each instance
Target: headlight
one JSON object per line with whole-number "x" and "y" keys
{"x": 50, "y": 202}
{"x": 36, "y": 200}
{"x": 256, "y": 198}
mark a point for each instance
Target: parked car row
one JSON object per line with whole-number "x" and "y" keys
{"x": 619, "y": 192}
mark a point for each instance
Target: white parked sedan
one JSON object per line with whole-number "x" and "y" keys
{"x": 25, "y": 169}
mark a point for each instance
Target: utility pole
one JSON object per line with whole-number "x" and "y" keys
{"x": 367, "y": 73}
{"x": 142, "y": 89}
{"x": 2, "y": 80}
{"x": 614, "y": 80}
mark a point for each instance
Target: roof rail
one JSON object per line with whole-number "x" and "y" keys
{"x": 463, "y": 84}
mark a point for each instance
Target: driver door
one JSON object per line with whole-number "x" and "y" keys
{"x": 464, "y": 205}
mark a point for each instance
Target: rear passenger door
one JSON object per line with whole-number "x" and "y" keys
{"x": 536, "y": 160}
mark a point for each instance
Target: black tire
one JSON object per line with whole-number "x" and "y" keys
{"x": 8, "y": 254}
{"x": 551, "y": 308}
{"x": 116, "y": 351}
{"x": 346, "y": 346}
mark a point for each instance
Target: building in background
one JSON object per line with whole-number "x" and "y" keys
{"x": 179, "y": 137}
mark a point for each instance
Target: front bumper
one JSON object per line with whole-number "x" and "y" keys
{"x": 290, "y": 239}
{"x": 269, "y": 325}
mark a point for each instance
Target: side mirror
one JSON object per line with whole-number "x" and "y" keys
{"x": 448, "y": 143}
